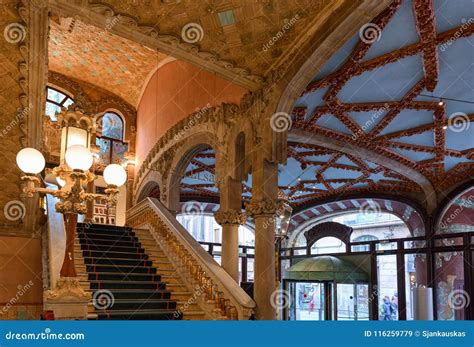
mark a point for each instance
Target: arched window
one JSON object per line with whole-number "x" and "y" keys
{"x": 327, "y": 245}
{"x": 110, "y": 134}
{"x": 54, "y": 101}
{"x": 111, "y": 126}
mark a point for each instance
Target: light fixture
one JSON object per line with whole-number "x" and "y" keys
{"x": 79, "y": 157}
{"x": 282, "y": 223}
{"x": 75, "y": 130}
{"x": 30, "y": 161}
{"x": 115, "y": 175}
{"x": 72, "y": 178}
{"x": 441, "y": 103}
{"x": 445, "y": 127}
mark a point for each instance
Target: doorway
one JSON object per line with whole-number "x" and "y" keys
{"x": 326, "y": 288}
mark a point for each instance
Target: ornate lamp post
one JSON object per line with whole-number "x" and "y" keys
{"x": 282, "y": 223}
{"x": 75, "y": 175}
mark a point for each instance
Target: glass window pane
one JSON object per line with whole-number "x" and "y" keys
{"x": 112, "y": 126}
{"x": 51, "y": 110}
{"x": 386, "y": 246}
{"x": 55, "y": 96}
{"x": 328, "y": 245}
{"x": 118, "y": 152}
{"x": 415, "y": 276}
{"x": 250, "y": 270}
{"x": 104, "y": 153}
{"x": 414, "y": 244}
{"x": 309, "y": 301}
{"x": 68, "y": 102}
{"x": 451, "y": 297}
{"x": 345, "y": 301}
{"x": 387, "y": 287}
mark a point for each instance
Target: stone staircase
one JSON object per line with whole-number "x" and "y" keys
{"x": 130, "y": 277}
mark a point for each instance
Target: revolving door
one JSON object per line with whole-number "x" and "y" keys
{"x": 326, "y": 288}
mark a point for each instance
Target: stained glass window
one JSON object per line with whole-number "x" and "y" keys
{"x": 110, "y": 140}
{"x": 54, "y": 101}
{"x": 112, "y": 126}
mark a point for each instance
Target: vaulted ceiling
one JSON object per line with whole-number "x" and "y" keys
{"x": 96, "y": 56}
{"x": 401, "y": 90}
{"x": 239, "y": 31}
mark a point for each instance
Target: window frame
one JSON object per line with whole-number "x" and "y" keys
{"x": 67, "y": 96}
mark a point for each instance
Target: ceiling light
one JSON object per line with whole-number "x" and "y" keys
{"x": 445, "y": 127}
{"x": 441, "y": 103}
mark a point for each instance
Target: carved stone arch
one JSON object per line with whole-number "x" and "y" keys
{"x": 152, "y": 180}
{"x": 186, "y": 150}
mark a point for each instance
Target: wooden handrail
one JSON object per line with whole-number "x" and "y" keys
{"x": 231, "y": 300}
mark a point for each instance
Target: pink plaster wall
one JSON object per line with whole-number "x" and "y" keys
{"x": 176, "y": 90}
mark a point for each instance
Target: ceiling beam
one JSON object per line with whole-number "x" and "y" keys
{"x": 298, "y": 135}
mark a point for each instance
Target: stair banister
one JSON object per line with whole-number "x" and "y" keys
{"x": 228, "y": 291}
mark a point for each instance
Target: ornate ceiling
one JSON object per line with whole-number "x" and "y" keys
{"x": 96, "y": 56}
{"x": 402, "y": 89}
{"x": 255, "y": 34}
{"x": 404, "y": 93}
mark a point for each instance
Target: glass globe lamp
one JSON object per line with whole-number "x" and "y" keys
{"x": 79, "y": 157}
{"x": 30, "y": 161}
{"x": 115, "y": 174}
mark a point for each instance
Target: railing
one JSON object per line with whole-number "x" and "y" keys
{"x": 223, "y": 295}
{"x": 246, "y": 253}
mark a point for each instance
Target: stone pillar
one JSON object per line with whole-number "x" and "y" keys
{"x": 230, "y": 217}
{"x": 230, "y": 221}
{"x": 262, "y": 208}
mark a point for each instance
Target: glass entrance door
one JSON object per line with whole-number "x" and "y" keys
{"x": 352, "y": 301}
{"x": 326, "y": 301}
{"x": 308, "y": 301}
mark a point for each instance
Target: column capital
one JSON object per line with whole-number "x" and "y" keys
{"x": 230, "y": 217}
{"x": 265, "y": 207}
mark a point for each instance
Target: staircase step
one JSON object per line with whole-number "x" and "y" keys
{"x": 147, "y": 304}
{"x": 105, "y": 242}
{"x": 113, "y": 255}
{"x": 105, "y": 231}
{"x": 109, "y": 237}
{"x": 121, "y": 269}
{"x": 117, "y": 261}
{"x": 112, "y": 247}
{"x": 95, "y": 285}
{"x": 140, "y": 315}
{"x": 139, "y": 294}
{"x": 117, "y": 276}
